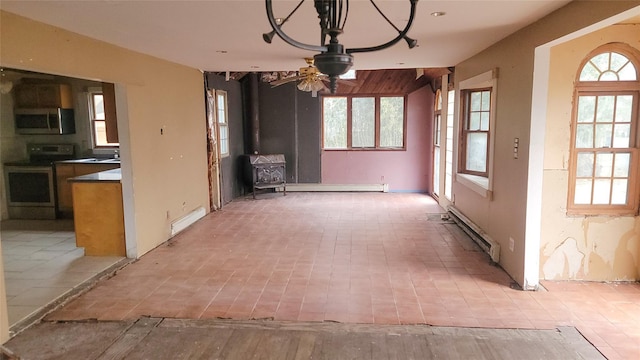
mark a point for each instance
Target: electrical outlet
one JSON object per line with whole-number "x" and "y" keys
{"x": 511, "y": 244}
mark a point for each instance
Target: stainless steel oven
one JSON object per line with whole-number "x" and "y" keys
{"x": 30, "y": 191}
{"x": 30, "y": 184}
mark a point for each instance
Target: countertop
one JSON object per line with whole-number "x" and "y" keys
{"x": 113, "y": 175}
{"x": 90, "y": 161}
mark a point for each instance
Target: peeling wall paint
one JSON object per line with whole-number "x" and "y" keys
{"x": 598, "y": 248}
{"x": 564, "y": 261}
{"x": 603, "y": 249}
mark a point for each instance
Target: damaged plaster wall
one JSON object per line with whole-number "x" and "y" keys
{"x": 599, "y": 248}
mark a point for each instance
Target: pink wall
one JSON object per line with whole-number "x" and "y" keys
{"x": 409, "y": 170}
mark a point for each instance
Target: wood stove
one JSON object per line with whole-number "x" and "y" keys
{"x": 268, "y": 172}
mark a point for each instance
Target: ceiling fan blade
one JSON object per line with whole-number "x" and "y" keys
{"x": 287, "y": 80}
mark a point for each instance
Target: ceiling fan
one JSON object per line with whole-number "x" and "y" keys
{"x": 311, "y": 79}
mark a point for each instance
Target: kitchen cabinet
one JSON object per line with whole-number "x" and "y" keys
{"x": 65, "y": 201}
{"x": 43, "y": 96}
{"x": 110, "y": 117}
{"x": 99, "y": 229}
{"x": 69, "y": 169}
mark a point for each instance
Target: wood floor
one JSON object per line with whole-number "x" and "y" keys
{"x": 158, "y": 338}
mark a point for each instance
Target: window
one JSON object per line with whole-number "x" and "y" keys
{"x": 98, "y": 120}
{"x": 476, "y": 130}
{"x": 363, "y": 122}
{"x": 448, "y": 161}
{"x": 604, "y": 144}
{"x": 437, "y": 132}
{"x": 391, "y": 122}
{"x": 223, "y": 122}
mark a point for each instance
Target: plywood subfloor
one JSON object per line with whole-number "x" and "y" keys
{"x": 158, "y": 338}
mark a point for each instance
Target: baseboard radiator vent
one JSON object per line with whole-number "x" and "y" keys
{"x": 480, "y": 237}
{"x": 185, "y": 221}
{"x": 302, "y": 187}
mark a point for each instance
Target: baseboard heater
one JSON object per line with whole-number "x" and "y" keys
{"x": 480, "y": 237}
{"x": 185, "y": 221}
{"x": 302, "y": 187}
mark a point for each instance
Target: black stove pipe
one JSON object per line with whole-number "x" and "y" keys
{"x": 254, "y": 113}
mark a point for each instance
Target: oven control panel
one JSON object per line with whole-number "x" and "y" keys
{"x": 50, "y": 149}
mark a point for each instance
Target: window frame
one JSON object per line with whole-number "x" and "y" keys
{"x": 464, "y": 130}
{"x": 91, "y": 93}
{"x": 377, "y": 129}
{"x": 223, "y": 124}
{"x": 449, "y": 151}
{"x": 607, "y": 88}
{"x": 437, "y": 135}
{"x": 481, "y": 184}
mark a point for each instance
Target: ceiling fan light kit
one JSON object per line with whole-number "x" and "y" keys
{"x": 310, "y": 85}
{"x": 333, "y": 59}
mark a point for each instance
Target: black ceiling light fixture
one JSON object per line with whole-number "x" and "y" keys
{"x": 333, "y": 59}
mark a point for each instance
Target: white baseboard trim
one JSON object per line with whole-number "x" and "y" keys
{"x": 185, "y": 221}
{"x": 478, "y": 235}
{"x": 337, "y": 187}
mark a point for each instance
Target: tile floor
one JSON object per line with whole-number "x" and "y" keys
{"x": 42, "y": 263}
{"x": 350, "y": 257}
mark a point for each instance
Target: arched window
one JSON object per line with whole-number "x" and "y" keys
{"x": 438, "y": 100}
{"x": 605, "y": 141}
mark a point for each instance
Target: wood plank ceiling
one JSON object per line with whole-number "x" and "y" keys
{"x": 390, "y": 81}
{"x": 397, "y": 81}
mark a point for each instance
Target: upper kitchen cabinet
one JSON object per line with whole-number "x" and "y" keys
{"x": 110, "y": 117}
{"x": 43, "y": 95}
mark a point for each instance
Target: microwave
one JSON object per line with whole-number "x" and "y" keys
{"x": 53, "y": 121}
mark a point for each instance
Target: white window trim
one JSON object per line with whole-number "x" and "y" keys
{"x": 90, "y": 92}
{"x": 223, "y": 93}
{"x": 95, "y": 149}
{"x": 480, "y": 184}
{"x": 449, "y": 121}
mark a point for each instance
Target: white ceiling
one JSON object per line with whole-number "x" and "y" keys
{"x": 216, "y": 35}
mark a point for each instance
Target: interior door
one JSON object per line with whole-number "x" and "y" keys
{"x": 213, "y": 154}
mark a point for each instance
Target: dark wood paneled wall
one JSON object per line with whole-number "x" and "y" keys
{"x": 290, "y": 125}
{"x": 231, "y": 166}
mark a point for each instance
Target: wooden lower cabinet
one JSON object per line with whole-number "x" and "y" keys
{"x": 64, "y": 199}
{"x": 98, "y": 218}
{"x": 64, "y": 171}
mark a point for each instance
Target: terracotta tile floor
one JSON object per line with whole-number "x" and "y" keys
{"x": 350, "y": 257}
